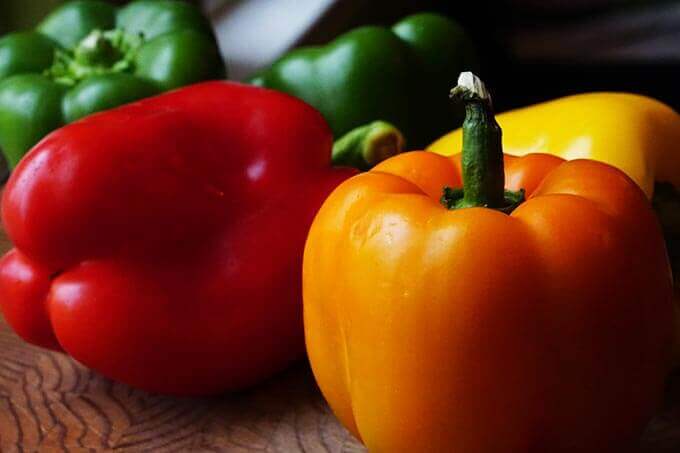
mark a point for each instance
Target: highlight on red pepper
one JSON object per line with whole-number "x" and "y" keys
{"x": 515, "y": 304}
{"x": 160, "y": 243}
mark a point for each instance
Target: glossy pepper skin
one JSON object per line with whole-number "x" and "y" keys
{"x": 545, "y": 330}
{"x": 377, "y": 73}
{"x": 634, "y": 133}
{"x": 88, "y": 56}
{"x": 160, "y": 243}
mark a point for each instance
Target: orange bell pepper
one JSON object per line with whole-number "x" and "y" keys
{"x": 535, "y": 318}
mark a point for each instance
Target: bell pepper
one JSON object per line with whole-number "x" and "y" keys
{"x": 88, "y": 56}
{"x": 377, "y": 73}
{"x": 515, "y": 304}
{"x": 160, "y": 243}
{"x": 634, "y": 133}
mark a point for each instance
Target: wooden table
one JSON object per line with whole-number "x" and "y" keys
{"x": 48, "y": 402}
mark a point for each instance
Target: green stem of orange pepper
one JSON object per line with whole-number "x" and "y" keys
{"x": 483, "y": 172}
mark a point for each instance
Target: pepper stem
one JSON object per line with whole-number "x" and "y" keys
{"x": 100, "y": 52}
{"x": 366, "y": 146}
{"x": 97, "y": 49}
{"x": 483, "y": 172}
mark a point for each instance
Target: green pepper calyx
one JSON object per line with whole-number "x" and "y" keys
{"x": 483, "y": 170}
{"x": 100, "y": 52}
{"x": 367, "y": 146}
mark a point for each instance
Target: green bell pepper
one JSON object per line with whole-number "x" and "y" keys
{"x": 88, "y": 56}
{"x": 401, "y": 75}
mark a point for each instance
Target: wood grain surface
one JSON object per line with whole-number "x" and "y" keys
{"x": 50, "y": 403}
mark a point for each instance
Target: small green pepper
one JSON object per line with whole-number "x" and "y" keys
{"x": 88, "y": 56}
{"x": 401, "y": 75}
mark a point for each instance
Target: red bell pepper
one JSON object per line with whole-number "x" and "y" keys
{"x": 161, "y": 243}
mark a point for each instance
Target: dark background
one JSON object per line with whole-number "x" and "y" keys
{"x": 515, "y": 79}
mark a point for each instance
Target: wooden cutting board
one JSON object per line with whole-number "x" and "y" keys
{"x": 50, "y": 403}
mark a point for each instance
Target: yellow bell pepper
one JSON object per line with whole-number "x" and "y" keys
{"x": 634, "y": 133}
